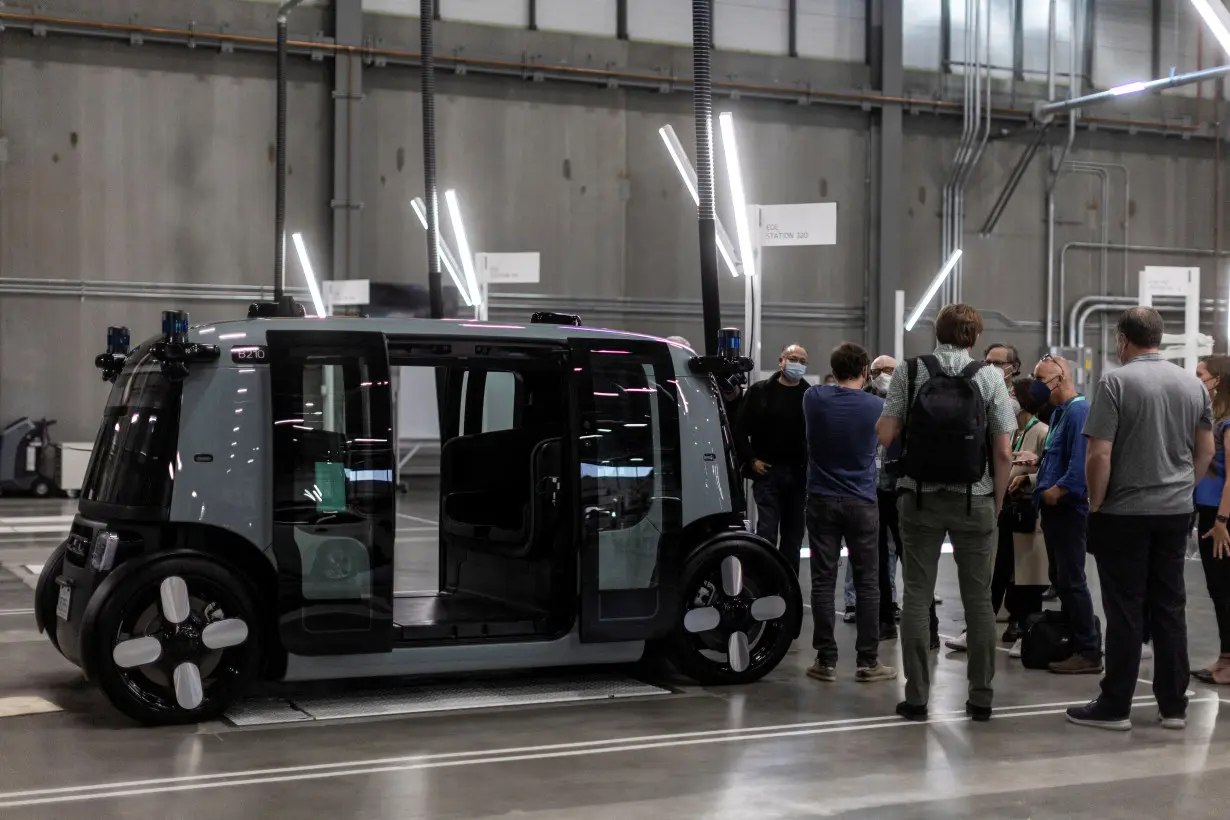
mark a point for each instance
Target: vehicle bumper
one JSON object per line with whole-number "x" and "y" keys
{"x": 76, "y": 584}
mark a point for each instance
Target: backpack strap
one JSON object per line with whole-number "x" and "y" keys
{"x": 972, "y": 369}
{"x": 933, "y": 365}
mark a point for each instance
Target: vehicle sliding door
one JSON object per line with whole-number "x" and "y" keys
{"x": 333, "y": 490}
{"x": 628, "y": 448}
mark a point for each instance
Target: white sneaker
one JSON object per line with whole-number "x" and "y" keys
{"x": 957, "y": 644}
{"x": 1172, "y": 722}
{"x": 1015, "y": 651}
{"x": 1146, "y": 652}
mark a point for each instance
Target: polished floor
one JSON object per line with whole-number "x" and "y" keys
{"x": 788, "y": 747}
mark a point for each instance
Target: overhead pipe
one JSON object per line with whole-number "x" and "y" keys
{"x": 958, "y": 279}
{"x": 948, "y": 233}
{"x": 1043, "y": 110}
{"x": 513, "y": 68}
{"x": 702, "y": 104}
{"x": 1206, "y": 306}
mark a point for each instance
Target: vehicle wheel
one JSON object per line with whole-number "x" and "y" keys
{"x": 177, "y": 641}
{"x": 741, "y": 612}
{"x": 47, "y": 593}
{"x": 41, "y": 488}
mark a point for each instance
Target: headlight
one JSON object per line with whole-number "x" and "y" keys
{"x": 102, "y": 553}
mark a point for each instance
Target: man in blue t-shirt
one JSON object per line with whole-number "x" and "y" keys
{"x": 840, "y": 420}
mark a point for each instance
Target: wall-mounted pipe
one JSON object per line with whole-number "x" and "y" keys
{"x": 431, "y": 199}
{"x": 1044, "y": 110}
{"x": 1127, "y": 207}
{"x": 1143, "y": 249}
{"x": 1206, "y": 306}
{"x": 605, "y": 78}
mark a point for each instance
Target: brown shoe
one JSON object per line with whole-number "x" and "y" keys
{"x": 1078, "y": 664}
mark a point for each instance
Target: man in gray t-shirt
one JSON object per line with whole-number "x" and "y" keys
{"x": 1150, "y": 441}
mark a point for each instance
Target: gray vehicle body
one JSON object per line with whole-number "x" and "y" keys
{"x": 226, "y": 413}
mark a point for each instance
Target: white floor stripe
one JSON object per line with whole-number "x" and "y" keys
{"x": 409, "y": 517}
{"x": 26, "y": 705}
{"x": 13, "y": 520}
{"x": 33, "y": 569}
{"x": 12, "y": 612}
{"x": 70, "y": 794}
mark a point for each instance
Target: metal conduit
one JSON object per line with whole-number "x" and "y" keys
{"x": 1206, "y": 306}
{"x": 43, "y": 24}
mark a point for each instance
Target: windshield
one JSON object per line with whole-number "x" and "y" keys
{"x": 133, "y": 464}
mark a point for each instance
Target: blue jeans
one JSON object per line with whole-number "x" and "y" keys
{"x": 1064, "y": 529}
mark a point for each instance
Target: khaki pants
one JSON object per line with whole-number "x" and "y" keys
{"x": 970, "y": 523}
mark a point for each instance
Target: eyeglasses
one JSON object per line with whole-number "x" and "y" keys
{"x": 1007, "y": 367}
{"x": 795, "y": 359}
{"x": 887, "y": 371}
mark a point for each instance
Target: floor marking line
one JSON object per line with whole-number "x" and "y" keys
{"x": 884, "y": 723}
{"x": 409, "y": 517}
{"x": 10, "y": 612}
{"x": 545, "y": 751}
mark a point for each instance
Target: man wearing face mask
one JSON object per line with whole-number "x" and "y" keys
{"x": 772, "y": 443}
{"x": 1061, "y": 497}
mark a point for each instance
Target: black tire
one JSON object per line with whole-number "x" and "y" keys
{"x": 146, "y": 693}
{"x": 41, "y": 488}
{"x": 47, "y": 594}
{"x": 764, "y": 574}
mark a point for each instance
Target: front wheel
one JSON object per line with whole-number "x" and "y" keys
{"x": 176, "y": 641}
{"x": 47, "y": 594}
{"x": 742, "y": 610}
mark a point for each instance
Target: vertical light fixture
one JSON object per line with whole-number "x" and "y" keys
{"x": 446, "y": 255}
{"x": 463, "y": 245}
{"x": 308, "y": 274}
{"x": 685, "y": 169}
{"x": 932, "y": 288}
{"x": 738, "y": 194}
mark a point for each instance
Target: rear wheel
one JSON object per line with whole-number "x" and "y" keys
{"x": 177, "y": 641}
{"x": 41, "y": 488}
{"x": 741, "y": 612}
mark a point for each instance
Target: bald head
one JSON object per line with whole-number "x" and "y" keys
{"x": 793, "y": 363}
{"x": 1056, "y": 373}
{"x": 883, "y": 363}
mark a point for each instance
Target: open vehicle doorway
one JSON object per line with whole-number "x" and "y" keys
{"x": 485, "y": 544}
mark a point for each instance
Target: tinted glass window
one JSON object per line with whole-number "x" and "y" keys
{"x": 134, "y": 458}
{"x": 629, "y": 464}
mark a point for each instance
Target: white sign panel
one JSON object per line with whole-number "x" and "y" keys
{"x": 1164, "y": 281}
{"x": 809, "y": 224}
{"x": 348, "y": 292}
{"x": 508, "y": 268}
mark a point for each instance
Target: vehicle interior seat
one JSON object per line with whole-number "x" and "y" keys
{"x": 498, "y": 489}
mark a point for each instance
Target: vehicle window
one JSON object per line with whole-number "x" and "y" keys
{"x": 628, "y": 470}
{"x": 134, "y": 459}
{"x": 499, "y": 401}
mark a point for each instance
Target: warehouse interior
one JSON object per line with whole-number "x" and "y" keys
{"x": 139, "y": 157}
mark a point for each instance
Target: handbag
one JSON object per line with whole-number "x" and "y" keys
{"x": 1021, "y": 515}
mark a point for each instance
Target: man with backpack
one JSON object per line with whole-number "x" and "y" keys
{"x": 956, "y": 420}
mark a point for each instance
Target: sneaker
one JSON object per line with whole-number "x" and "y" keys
{"x": 1012, "y": 634}
{"x": 978, "y": 714}
{"x": 1178, "y": 722}
{"x": 822, "y": 671}
{"x": 1015, "y": 651}
{"x": 871, "y": 674}
{"x": 849, "y": 616}
{"x": 909, "y": 711}
{"x": 957, "y": 644}
{"x": 1050, "y": 594}
{"x": 888, "y": 632}
{"x": 1146, "y": 652}
{"x": 1095, "y": 715}
{"x": 937, "y": 600}
{"x": 1078, "y": 664}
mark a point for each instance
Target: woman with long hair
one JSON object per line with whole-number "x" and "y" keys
{"x": 1213, "y": 512}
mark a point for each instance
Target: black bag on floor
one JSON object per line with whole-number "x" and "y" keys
{"x": 1048, "y": 639}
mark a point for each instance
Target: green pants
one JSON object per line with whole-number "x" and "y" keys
{"x": 970, "y": 523}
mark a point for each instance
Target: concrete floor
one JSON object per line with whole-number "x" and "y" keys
{"x": 788, "y": 747}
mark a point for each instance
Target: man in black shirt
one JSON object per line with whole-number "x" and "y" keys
{"x": 772, "y": 443}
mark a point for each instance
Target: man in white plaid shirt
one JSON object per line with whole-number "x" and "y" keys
{"x": 966, "y": 513}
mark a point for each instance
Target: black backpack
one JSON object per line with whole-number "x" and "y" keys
{"x": 946, "y": 438}
{"x": 1048, "y": 639}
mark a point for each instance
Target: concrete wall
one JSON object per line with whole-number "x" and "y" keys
{"x": 154, "y": 163}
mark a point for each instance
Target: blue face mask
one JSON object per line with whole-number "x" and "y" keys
{"x": 1040, "y": 392}
{"x": 794, "y": 371}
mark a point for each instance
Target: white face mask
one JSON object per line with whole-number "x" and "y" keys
{"x": 881, "y": 382}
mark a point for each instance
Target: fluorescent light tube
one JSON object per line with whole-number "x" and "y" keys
{"x": 1217, "y": 19}
{"x": 1129, "y": 88}
{"x": 738, "y": 193}
{"x": 446, "y": 255}
{"x": 725, "y": 247}
{"x": 932, "y": 288}
{"x": 463, "y": 245}
{"x": 306, "y": 264}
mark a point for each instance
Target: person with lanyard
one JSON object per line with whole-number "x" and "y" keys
{"x": 1062, "y": 499}
{"x": 1213, "y": 513}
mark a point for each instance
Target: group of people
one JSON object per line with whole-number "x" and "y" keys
{"x": 1023, "y": 476}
